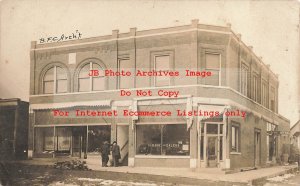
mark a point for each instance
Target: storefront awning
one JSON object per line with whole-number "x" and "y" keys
{"x": 46, "y": 106}
{"x": 209, "y": 108}
{"x": 215, "y": 108}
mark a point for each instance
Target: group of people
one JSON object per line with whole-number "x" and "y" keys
{"x": 115, "y": 151}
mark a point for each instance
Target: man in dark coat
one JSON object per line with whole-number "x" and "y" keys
{"x": 115, "y": 151}
{"x": 105, "y": 151}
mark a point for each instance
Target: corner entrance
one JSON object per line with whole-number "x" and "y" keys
{"x": 211, "y": 144}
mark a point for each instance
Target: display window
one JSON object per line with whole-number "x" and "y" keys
{"x": 169, "y": 139}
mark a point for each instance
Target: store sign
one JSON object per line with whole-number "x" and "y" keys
{"x": 278, "y": 133}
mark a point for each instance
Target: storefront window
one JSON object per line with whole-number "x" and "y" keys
{"x": 163, "y": 139}
{"x": 44, "y": 140}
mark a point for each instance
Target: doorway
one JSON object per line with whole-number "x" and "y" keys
{"x": 211, "y": 144}
{"x": 257, "y": 147}
{"x": 212, "y": 151}
{"x": 79, "y": 141}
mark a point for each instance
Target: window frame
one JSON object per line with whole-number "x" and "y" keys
{"x": 153, "y": 55}
{"x": 55, "y": 79}
{"x": 272, "y": 98}
{"x": 237, "y": 137}
{"x": 264, "y": 93}
{"x": 244, "y": 86}
{"x": 255, "y": 87}
{"x": 161, "y": 142}
{"x": 91, "y": 78}
{"x": 214, "y": 69}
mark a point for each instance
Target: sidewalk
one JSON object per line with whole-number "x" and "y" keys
{"x": 202, "y": 173}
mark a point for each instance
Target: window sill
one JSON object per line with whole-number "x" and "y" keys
{"x": 235, "y": 153}
{"x": 161, "y": 157}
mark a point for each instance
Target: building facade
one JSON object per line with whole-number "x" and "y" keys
{"x": 216, "y": 107}
{"x": 13, "y": 129}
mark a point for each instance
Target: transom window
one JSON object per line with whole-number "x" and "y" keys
{"x": 88, "y": 83}
{"x": 55, "y": 81}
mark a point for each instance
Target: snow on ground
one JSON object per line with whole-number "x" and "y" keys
{"x": 104, "y": 182}
{"x": 280, "y": 178}
{"x": 111, "y": 182}
{"x": 61, "y": 183}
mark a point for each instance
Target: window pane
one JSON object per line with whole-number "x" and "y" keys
{"x": 176, "y": 140}
{"x": 63, "y": 139}
{"x": 84, "y": 71}
{"x": 60, "y": 73}
{"x": 244, "y": 80}
{"x": 44, "y": 140}
{"x": 148, "y": 139}
{"x": 214, "y": 79}
{"x": 48, "y": 87}
{"x": 49, "y": 75}
{"x": 162, "y": 63}
{"x": 98, "y": 83}
{"x": 212, "y": 129}
{"x": 62, "y": 86}
{"x": 255, "y": 88}
{"x": 99, "y": 68}
{"x": 233, "y": 140}
{"x": 84, "y": 84}
{"x": 212, "y": 61}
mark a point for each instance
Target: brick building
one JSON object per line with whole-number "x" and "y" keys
{"x": 61, "y": 93}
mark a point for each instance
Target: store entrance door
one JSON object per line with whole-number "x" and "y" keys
{"x": 212, "y": 151}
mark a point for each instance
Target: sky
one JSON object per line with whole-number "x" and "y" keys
{"x": 271, "y": 27}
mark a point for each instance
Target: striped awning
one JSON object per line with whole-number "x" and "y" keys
{"x": 48, "y": 106}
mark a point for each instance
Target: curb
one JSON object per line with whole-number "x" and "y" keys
{"x": 262, "y": 179}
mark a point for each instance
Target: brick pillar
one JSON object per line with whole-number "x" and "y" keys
{"x": 194, "y": 143}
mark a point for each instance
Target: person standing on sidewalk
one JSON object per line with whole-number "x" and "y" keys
{"x": 105, "y": 151}
{"x": 115, "y": 151}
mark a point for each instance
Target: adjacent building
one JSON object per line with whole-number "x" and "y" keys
{"x": 13, "y": 128}
{"x": 231, "y": 103}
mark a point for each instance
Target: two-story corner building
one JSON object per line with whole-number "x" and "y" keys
{"x": 231, "y": 114}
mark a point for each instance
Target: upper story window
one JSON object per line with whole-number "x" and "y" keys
{"x": 213, "y": 64}
{"x": 264, "y": 95}
{"x": 255, "y": 87}
{"x": 125, "y": 81}
{"x": 55, "y": 81}
{"x": 244, "y": 79}
{"x": 88, "y": 83}
{"x": 162, "y": 63}
{"x": 272, "y": 99}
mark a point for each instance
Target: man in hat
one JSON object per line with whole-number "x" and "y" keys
{"x": 105, "y": 151}
{"x": 115, "y": 151}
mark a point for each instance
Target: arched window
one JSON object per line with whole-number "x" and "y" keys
{"x": 91, "y": 83}
{"x": 55, "y": 81}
